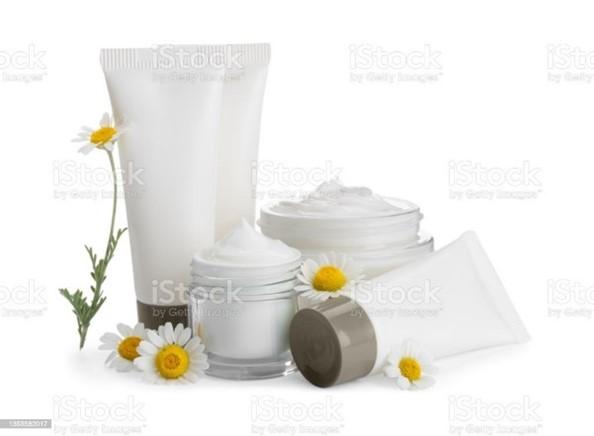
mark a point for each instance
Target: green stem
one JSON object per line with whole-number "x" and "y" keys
{"x": 82, "y": 332}
{"x": 115, "y": 201}
{"x": 108, "y": 251}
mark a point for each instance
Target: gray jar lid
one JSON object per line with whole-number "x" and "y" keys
{"x": 333, "y": 342}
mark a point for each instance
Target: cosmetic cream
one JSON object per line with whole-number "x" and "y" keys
{"x": 451, "y": 301}
{"x": 178, "y": 104}
{"x": 242, "y": 300}
{"x": 378, "y": 233}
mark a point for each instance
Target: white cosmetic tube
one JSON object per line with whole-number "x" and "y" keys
{"x": 170, "y": 99}
{"x": 239, "y": 134}
{"x": 451, "y": 301}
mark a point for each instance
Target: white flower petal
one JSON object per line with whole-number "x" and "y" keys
{"x": 190, "y": 376}
{"x": 394, "y": 357}
{"x": 309, "y": 268}
{"x": 423, "y": 357}
{"x": 198, "y": 356}
{"x": 110, "y": 357}
{"x": 147, "y": 348}
{"x": 145, "y": 363}
{"x": 403, "y": 383}
{"x": 86, "y": 149}
{"x": 155, "y": 338}
{"x": 108, "y": 146}
{"x": 391, "y": 371}
{"x": 193, "y": 344}
{"x": 168, "y": 333}
{"x": 139, "y": 330}
{"x": 122, "y": 365}
{"x": 303, "y": 279}
{"x": 179, "y": 328}
{"x": 105, "y": 120}
{"x": 152, "y": 377}
{"x": 110, "y": 338}
{"x": 125, "y": 330}
{"x": 184, "y": 336}
{"x": 203, "y": 365}
{"x": 424, "y": 382}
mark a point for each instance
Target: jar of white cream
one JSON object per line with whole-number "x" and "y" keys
{"x": 379, "y": 233}
{"x": 241, "y": 302}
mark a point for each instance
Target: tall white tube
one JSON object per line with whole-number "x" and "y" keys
{"x": 239, "y": 134}
{"x": 171, "y": 100}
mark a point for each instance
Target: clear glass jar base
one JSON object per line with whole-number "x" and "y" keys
{"x": 240, "y": 369}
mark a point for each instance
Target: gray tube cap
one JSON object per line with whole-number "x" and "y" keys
{"x": 333, "y": 342}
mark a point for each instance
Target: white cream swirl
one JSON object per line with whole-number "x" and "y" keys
{"x": 244, "y": 246}
{"x": 332, "y": 199}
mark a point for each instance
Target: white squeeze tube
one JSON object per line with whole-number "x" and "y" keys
{"x": 239, "y": 134}
{"x": 451, "y": 301}
{"x": 170, "y": 100}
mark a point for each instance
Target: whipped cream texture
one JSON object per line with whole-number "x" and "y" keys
{"x": 332, "y": 199}
{"x": 244, "y": 246}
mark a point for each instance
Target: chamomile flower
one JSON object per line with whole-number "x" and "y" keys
{"x": 104, "y": 137}
{"x": 170, "y": 355}
{"x": 333, "y": 275}
{"x": 124, "y": 347}
{"x": 410, "y": 366}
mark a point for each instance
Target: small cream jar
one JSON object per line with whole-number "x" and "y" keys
{"x": 241, "y": 302}
{"x": 379, "y": 233}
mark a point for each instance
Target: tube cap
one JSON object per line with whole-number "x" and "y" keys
{"x": 333, "y": 342}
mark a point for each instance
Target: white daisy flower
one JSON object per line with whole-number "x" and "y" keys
{"x": 410, "y": 366}
{"x": 171, "y": 355}
{"x": 104, "y": 137}
{"x": 124, "y": 346}
{"x": 333, "y": 275}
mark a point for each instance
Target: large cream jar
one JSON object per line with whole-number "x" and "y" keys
{"x": 379, "y": 233}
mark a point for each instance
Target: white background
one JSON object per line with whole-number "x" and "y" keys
{"x": 494, "y": 102}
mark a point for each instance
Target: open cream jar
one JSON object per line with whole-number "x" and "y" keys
{"x": 241, "y": 302}
{"x": 379, "y": 233}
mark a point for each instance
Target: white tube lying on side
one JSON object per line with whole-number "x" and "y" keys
{"x": 454, "y": 303}
{"x": 451, "y": 301}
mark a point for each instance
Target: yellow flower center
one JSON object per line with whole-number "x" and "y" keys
{"x": 329, "y": 279}
{"x": 410, "y": 368}
{"x": 172, "y": 361}
{"x": 128, "y": 347}
{"x": 102, "y": 136}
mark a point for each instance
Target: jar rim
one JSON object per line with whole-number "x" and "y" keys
{"x": 408, "y": 209}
